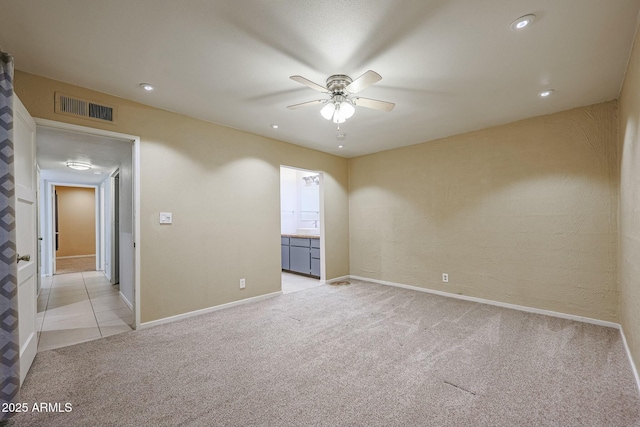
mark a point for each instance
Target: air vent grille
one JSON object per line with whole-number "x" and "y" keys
{"x": 101, "y": 112}
{"x": 79, "y": 107}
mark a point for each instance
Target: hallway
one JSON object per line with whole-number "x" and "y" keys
{"x": 79, "y": 307}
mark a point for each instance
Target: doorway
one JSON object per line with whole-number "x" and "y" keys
{"x": 102, "y": 299}
{"x": 301, "y": 228}
{"x": 74, "y": 228}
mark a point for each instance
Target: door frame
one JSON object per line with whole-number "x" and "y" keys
{"x": 51, "y": 238}
{"x": 135, "y": 140}
{"x": 323, "y": 274}
{"x": 114, "y": 236}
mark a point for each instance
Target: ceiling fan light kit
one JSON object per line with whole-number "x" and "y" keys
{"x": 338, "y": 110}
{"x": 341, "y": 88}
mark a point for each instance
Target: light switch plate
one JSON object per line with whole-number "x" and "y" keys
{"x": 166, "y": 218}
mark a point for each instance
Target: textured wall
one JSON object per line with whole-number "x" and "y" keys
{"x": 76, "y": 221}
{"x": 524, "y": 213}
{"x": 222, "y": 186}
{"x": 629, "y": 255}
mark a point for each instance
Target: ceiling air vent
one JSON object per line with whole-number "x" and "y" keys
{"x": 78, "y": 107}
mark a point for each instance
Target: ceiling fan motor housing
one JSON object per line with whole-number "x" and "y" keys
{"x": 337, "y": 83}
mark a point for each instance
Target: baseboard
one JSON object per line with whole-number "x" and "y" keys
{"x": 335, "y": 279}
{"x": 633, "y": 365}
{"x": 74, "y": 256}
{"x": 182, "y": 316}
{"x": 126, "y": 301}
{"x": 495, "y": 303}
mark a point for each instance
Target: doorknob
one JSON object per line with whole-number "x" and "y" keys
{"x": 26, "y": 257}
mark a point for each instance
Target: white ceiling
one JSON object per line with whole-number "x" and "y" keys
{"x": 451, "y": 66}
{"x": 56, "y": 147}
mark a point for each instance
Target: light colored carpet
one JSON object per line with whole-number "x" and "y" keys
{"x": 356, "y": 355}
{"x": 75, "y": 265}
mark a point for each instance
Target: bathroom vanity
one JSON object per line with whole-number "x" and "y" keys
{"x": 301, "y": 254}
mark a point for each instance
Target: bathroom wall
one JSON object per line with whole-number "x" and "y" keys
{"x": 291, "y": 187}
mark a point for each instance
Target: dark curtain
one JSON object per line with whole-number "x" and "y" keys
{"x": 9, "y": 340}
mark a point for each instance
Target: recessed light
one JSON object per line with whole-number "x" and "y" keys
{"x": 545, "y": 93}
{"x": 275, "y": 126}
{"x": 147, "y": 86}
{"x": 79, "y": 166}
{"x": 522, "y": 22}
{"x": 340, "y": 146}
{"x": 341, "y": 136}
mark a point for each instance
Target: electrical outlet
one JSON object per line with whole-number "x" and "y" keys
{"x": 445, "y": 277}
{"x": 242, "y": 283}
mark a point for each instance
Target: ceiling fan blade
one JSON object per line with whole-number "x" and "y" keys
{"x": 309, "y": 83}
{"x": 374, "y": 103}
{"x": 364, "y": 81}
{"x": 304, "y": 104}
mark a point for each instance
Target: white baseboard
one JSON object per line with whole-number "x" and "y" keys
{"x": 335, "y": 279}
{"x": 126, "y": 301}
{"x": 175, "y": 318}
{"x": 633, "y": 365}
{"x": 74, "y": 256}
{"x": 496, "y": 303}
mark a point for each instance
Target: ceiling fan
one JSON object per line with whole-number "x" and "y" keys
{"x": 342, "y": 102}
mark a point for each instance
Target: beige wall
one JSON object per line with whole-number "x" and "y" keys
{"x": 222, "y": 186}
{"x": 524, "y": 213}
{"x": 76, "y": 221}
{"x": 629, "y": 251}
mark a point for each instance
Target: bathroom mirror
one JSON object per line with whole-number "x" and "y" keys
{"x": 310, "y": 203}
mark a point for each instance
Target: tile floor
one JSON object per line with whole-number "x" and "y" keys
{"x": 75, "y": 264}
{"x": 294, "y": 283}
{"x": 78, "y": 307}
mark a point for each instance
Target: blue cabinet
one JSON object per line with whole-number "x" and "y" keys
{"x": 284, "y": 245}
{"x": 315, "y": 257}
{"x": 301, "y": 255}
{"x": 315, "y": 267}
{"x": 299, "y": 260}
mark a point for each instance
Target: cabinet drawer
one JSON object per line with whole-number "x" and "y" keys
{"x": 284, "y": 240}
{"x": 315, "y": 243}
{"x": 303, "y": 243}
{"x": 315, "y": 253}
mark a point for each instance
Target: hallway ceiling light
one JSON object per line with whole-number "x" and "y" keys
{"x": 522, "y": 22}
{"x": 147, "y": 86}
{"x": 79, "y": 166}
{"x": 545, "y": 93}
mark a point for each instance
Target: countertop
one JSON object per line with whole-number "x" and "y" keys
{"x": 301, "y": 236}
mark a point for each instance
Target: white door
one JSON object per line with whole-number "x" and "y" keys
{"x": 24, "y": 141}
